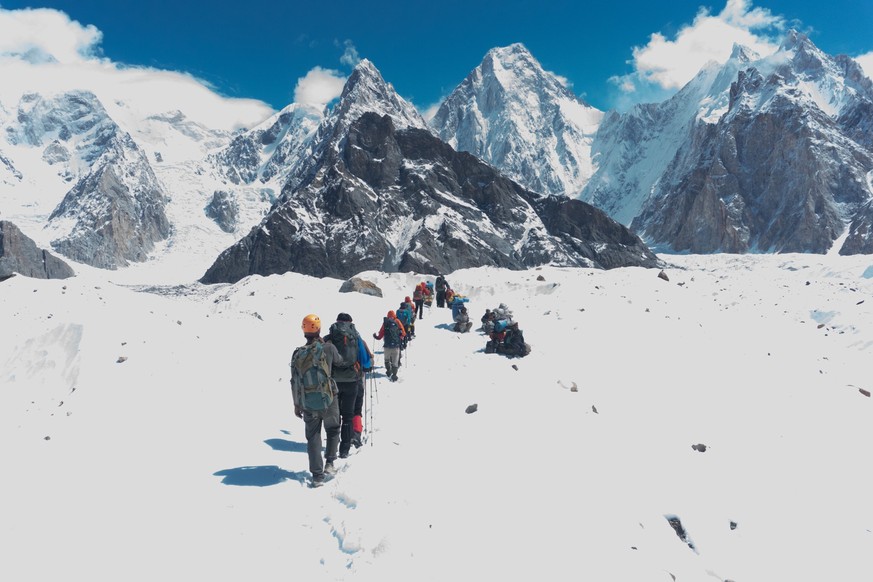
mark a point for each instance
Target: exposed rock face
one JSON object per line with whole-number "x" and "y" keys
{"x": 8, "y": 173}
{"x": 115, "y": 213}
{"x": 224, "y": 210}
{"x": 860, "y": 239}
{"x": 402, "y": 200}
{"x": 522, "y": 120}
{"x": 775, "y": 174}
{"x": 634, "y": 149}
{"x": 358, "y": 285}
{"x": 764, "y": 154}
{"x": 19, "y": 254}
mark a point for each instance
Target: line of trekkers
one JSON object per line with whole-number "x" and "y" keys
{"x": 329, "y": 374}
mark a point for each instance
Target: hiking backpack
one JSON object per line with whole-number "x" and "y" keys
{"x": 405, "y": 316}
{"x": 344, "y": 336}
{"x": 311, "y": 371}
{"x": 392, "y": 333}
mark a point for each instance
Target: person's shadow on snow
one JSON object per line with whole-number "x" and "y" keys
{"x": 286, "y": 446}
{"x": 262, "y": 476}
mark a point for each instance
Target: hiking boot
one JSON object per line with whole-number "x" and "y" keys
{"x": 318, "y": 479}
{"x": 344, "y": 455}
{"x": 394, "y": 377}
{"x": 356, "y": 440}
{"x": 329, "y": 468}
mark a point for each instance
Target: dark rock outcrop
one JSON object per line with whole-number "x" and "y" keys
{"x": 224, "y": 210}
{"x": 19, "y": 254}
{"x": 402, "y": 200}
{"x": 860, "y": 239}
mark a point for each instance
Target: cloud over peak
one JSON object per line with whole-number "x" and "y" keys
{"x": 666, "y": 64}
{"x": 43, "y": 50}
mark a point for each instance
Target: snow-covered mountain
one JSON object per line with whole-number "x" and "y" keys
{"x": 103, "y": 185}
{"x": 265, "y": 152}
{"x": 380, "y": 191}
{"x": 523, "y": 120}
{"x": 632, "y": 150}
{"x": 762, "y": 154}
{"x": 114, "y": 211}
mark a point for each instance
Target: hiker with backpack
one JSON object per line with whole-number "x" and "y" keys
{"x": 507, "y": 339}
{"x": 315, "y": 397}
{"x": 345, "y": 338}
{"x": 418, "y": 297}
{"x": 393, "y": 332}
{"x": 406, "y": 316}
{"x": 513, "y": 343}
{"x": 441, "y": 285}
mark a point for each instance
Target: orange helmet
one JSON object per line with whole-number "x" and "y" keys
{"x": 392, "y": 315}
{"x": 311, "y": 324}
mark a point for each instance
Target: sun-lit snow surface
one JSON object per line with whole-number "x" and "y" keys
{"x": 185, "y": 461}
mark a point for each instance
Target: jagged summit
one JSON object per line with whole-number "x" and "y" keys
{"x": 367, "y": 91}
{"x": 743, "y": 54}
{"x": 522, "y": 119}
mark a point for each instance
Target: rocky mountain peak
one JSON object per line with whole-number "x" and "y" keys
{"x": 366, "y": 90}
{"x": 743, "y": 54}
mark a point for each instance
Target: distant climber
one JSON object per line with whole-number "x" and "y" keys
{"x": 393, "y": 332}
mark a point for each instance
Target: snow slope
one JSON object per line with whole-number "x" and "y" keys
{"x": 185, "y": 461}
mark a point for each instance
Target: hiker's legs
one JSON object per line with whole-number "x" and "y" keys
{"x": 348, "y": 393}
{"x": 359, "y": 399}
{"x": 332, "y": 428}
{"x": 392, "y": 360}
{"x": 312, "y": 421}
{"x": 419, "y": 308}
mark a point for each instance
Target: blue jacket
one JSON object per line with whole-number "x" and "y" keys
{"x": 364, "y": 355}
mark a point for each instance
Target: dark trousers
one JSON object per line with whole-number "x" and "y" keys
{"x": 359, "y": 399}
{"x": 419, "y": 308}
{"x": 348, "y": 394}
{"x": 441, "y": 298}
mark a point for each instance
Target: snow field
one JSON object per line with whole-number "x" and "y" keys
{"x": 185, "y": 460}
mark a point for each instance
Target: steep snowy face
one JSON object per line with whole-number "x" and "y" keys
{"x": 522, "y": 120}
{"x": 777, "y": 172}
{"x": 266, "y": 152}
{"x": 633, "y": 150}
{"x": 171, "y": 137}
{"x": 115, "y": 213}
{"x": 72, "y": 129}
{"x": 402, "y": 200}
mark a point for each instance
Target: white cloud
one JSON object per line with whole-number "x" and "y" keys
{"x": 350, "y": 56}
{"x": 669, "y": 63}
{"x": 43, "y": 34}
{"x": 319, "y": 86}
{"x": 866, "y": 62}
{"x": 45, "y": 51}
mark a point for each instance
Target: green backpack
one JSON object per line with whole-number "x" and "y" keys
{"x": 310, "y": 369}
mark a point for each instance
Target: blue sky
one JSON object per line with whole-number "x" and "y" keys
{"x": 261, "y": 49}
